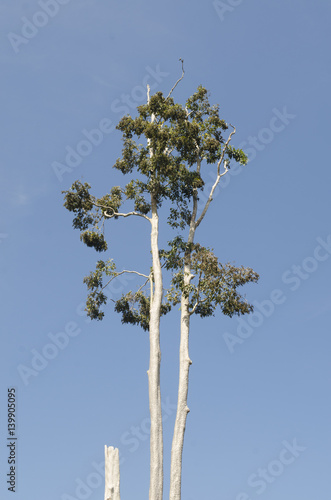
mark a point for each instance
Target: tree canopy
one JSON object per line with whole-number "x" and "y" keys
{"x": 181, "y": 142}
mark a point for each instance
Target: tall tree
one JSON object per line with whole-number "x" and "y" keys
{"x": 182, "y": 144}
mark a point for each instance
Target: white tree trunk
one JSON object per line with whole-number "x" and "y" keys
{"x": 154, "y": 390}
{"x": 182, "y": 408}
{"x": 112, "y": 474}
{"x": 184, "y": 367}
{"x": 156, "y": 437}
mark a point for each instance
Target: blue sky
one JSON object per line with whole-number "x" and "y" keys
{"x": 260, "y": 411}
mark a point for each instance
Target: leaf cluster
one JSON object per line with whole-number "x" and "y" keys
{"x": 94, "y": 282}
{"x": 135, "y": 309}
{"x": 179, "y": 138}
{"x": 133, "y": 306}
{"x": 212, "y": 284}
{"x": 89, "y": 211}
{"x": 79, "y": 201}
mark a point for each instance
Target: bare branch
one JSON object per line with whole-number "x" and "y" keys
{"x": 183, "y": 72}
{"x": 152, "y": 121}
{"x": 225, "y": 165}
{"x": 194, "y": 308}
{"x": 116, "y": 214}
{"x": 168, "y": 151}
{"x": 142, "y": 286}
{"x": 198, "y": 295}
{"x": 125, "y": 271}
{"x": 133, "y": 272}
{"x": 219, "y": 175}
{"x": 196, "y": 305}
{"x": 224, "y": 149}
{"x": 188, "y": 112}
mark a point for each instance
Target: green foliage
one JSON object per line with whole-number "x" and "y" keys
{"x": 237, "y": 154}
{"x": 89, "y": 211}
{"x": 93, "y": 239}
{"x": 94, "y": 282}
{"x": 94, "y": 302}
{"x": 134, "y": 315}
{"x": 135, "y": 309}
{"x": 179, "y": 138}
{"x": 212, "y": 284}
{"x": 181, "y": 141}
{"x": 79, "y": 201}
{"x": 112, "y": 202}
{"x": 217, "y": 284}
{"x": 133, "y": 191}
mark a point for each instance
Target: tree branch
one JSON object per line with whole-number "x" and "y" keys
{"x": 224, "y": 149}
{"x": 133, "y": 272}
{"x": 198, "y": 294}
{"x": 152, "y": 121}
{"x": 116, "y": 214}
{"x": 142, "y": 286}
{"x": 219, "y": 175}
{"x": 188, "y": 112}
{"x": 129, "y": 272}
{"x": 196, "y": 305}
{"x": 168, "y": 151}
{"x": 183, "y": 72}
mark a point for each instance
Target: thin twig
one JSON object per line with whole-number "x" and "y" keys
{"x": 122, "y": 272}
{"x": 183, "y": 72}
{"x": 142, "y": 286}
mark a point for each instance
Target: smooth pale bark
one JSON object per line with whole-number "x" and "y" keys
{"x": 112, "y": 474}
{"x": 154, "y": 390}
{"x": 156, "y": 437}
{"x": 184, "y": 358}
{"x": 184, "y": 367}
{"x": 182, "y": 408}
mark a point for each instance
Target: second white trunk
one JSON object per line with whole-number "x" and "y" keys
{"x": 182, "y": 408}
